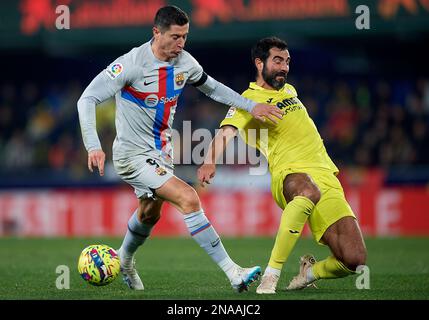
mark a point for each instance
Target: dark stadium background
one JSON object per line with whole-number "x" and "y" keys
{"x": 366, "y": 90}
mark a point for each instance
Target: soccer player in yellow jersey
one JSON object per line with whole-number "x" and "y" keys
{"x": 304, "y": 182}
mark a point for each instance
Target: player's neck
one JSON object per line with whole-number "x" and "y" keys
{"x": 157, "y": 52}
{"x": 261, "y": 83}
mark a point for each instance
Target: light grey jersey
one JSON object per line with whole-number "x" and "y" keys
{"x": 146, "y": 91}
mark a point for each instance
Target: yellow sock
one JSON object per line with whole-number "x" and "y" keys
{"x": 292, "y": 222}
{"x": 330, "y": 268}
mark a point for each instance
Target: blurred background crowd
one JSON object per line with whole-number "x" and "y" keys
{"x": 367, "y": 92}
{"x": 373, "y": 122}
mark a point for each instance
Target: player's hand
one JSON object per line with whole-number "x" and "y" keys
{"x": 96, "y": 158}
{"x": 265, "y": 111}
{"x": 205, "y": 173}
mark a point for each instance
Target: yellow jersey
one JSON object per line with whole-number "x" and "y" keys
{"x": 293, "y": 142}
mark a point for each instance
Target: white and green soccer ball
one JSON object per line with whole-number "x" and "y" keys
{"x": 99, "y": 264}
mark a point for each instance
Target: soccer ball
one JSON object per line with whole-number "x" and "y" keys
{"x": 99, "y": 264}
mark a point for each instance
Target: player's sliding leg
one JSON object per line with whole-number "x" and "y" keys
{"x": 140, "y": 226}
{"x": 291, "y": 224}
{"x": 301, "y": 195}
{"x": 186, "y": 200}
{"x": 345, "y": 240}
{"x": 310, "y": 271}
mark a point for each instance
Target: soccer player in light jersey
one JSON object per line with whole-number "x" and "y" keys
{"x": 303, "y": 183}
{"x": 146, "y": 83}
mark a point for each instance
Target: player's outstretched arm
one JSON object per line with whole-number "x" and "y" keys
{"x": 104, "y": 86}
{"x": 96, "y": 92}
{"x": 223, "y": 94}
{"x": 217, "y": 147}
{"x": 100, "y": 89}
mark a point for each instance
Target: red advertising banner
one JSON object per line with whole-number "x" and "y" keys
{"x": 51, "y": 213}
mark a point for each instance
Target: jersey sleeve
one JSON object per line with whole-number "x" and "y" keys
{"x": 111, "y": 80}
{"x": 195, "y": 70}
{"x": 245, "y": 124}
{"x": 104, "y": 86}
{"x": 292, "y": 89}
{"x": 237, "y": 118}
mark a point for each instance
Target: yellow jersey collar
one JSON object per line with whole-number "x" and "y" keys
{"x": 254, "y": 86}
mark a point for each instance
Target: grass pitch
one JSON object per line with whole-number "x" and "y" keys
{"x": 176, "y": 268}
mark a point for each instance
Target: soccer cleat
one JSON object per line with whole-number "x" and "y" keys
{"x": 129, "y": 273}
{"x": 244, "y": 277}
{"x": 300, "y": 281}
{"x": 268, "y": 284}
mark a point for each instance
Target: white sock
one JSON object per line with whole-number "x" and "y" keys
{"x": 206, "y": 236}
{"x": 136, "y": 235}
{"x": 228, "y": 266}
{"x": 270, "y": 270}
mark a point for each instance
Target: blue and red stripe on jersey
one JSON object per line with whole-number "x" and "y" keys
{"x": 165, "y": 90}
{"x": 131, "y": 94}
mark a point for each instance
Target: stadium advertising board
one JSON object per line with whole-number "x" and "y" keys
{"x": 381, "y": 212}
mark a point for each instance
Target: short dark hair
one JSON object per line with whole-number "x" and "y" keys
{"x": 262, "y": 48}
{"x": 170, "y": 15}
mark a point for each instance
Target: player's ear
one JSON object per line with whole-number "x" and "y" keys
{"x": 156, "y": 32}
{"x": 259, "y": 64}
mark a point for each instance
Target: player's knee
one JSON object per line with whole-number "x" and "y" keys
{"x": 301, "y": 184}
{"x": 151, "y": 219}
{"x": 149, "y": 211}
{"x": 312, "y": 192}
{"x": 189, "y": 201}
{"x": 355, "y": 259}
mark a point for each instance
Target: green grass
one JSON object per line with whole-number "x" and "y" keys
{"x": 176, "y": 268}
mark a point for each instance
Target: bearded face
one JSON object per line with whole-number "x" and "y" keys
{"x": 275, "y": 68}
{"x": 274, "y": 78}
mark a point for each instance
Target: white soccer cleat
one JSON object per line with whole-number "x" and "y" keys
{"x": 300, "y": 281}
{"x": 268, "y": 284}
{"x": 129, "y": 272}
{"x": 244, "y": 277}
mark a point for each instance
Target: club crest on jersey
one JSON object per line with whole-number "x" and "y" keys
{"x": 179, "y": 79}
{"x": 160, "y": 171}
{"x": 231, "y": 112}
{"x": 114, "y": 71}
{"x": 151, "y": 100}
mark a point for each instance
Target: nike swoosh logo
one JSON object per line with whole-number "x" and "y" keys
{"x": 148, "y": 83}
{"x": 215, "y": 243}
{"x": 293, "y": 231}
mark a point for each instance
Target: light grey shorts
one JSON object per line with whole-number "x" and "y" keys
{"x": 144, "y": 173}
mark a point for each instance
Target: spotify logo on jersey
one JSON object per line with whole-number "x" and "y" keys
{"x": 151, "y": 100}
